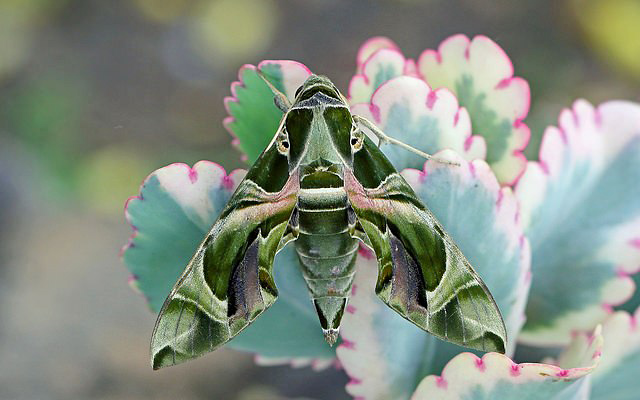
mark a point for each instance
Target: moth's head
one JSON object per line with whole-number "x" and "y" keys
{"x": 318, "y": 84}
{"x": 317, "y": 129}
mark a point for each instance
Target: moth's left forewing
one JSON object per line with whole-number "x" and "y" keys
{"x": 422, "y": 274}
{"x": 229, "y": 281}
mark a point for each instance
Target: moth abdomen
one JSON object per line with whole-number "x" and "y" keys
{"x": 327, "y": 253}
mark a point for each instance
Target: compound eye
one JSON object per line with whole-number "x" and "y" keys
{"x": 356, "y": 141}
{"x": 283, "y": 145}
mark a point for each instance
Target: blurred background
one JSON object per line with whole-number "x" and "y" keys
{"x": 94, "y": 95}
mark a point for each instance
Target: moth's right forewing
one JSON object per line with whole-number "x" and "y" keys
{"x": 229, "y": 281}
{"x": 422, "y": 274}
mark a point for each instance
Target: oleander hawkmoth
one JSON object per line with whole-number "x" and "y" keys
{"x": 323, "y": 184}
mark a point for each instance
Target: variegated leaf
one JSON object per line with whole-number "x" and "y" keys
{"x": 176, "y": 206}
{"x": 175, "y": 209}
{"x": 383, "y": 62}
{"x": 406, "y": 109}
{"x": 480, "y": 74}
{"x": 617, "y": 376}
{"x": 581, "y": 212}
{"x": 370, "y": 47}
{"x": 387, "y": 356}
{"x": 253, "y": 115}
{"x": 495, "y": 376}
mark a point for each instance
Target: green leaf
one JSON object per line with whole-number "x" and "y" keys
{"x": 253, "y": 115}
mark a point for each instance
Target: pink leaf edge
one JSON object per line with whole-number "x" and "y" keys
{"x": 509, "y": 80}
{"x": 467, "y": 368}
{"x": 408, "y": 68}
{"x": 371, "y": 46}
{"x": 229, "y": 180}
{"x": 549, "y": 164}
{"x": 471, "y": 142}
{"x": 505, "y": 82}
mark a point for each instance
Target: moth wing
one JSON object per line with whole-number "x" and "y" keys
{"x": 229, "y": 280}
{"x": 422, "y": 273}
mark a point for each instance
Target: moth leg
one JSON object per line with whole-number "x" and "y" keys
{"x": 355, "y": 229}
{"x": 363, "y": 238}
{"x": 279, "y": 99}
{"x": 384, "y": 138}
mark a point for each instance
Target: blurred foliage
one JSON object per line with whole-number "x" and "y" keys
{"x": 219, "y": 31}
{"x": 45, "y": 114}
{"x": 107, "y": 176}
{"x": 163, "y": 11}
{"x": 19, "y": 23}
{"x": 612, "y": 29}
{"x": 233, "y": 30}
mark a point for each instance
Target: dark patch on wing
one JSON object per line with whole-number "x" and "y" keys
{"x": 244, "y": 287}
{"x": 407, "y": 283}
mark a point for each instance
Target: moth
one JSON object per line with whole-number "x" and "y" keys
{"x": 323, "y": 184}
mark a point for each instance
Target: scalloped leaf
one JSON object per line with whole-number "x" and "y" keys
{"x": 617, "y": 376}
{"x": 253, "y": 115}
{"x": 383, "y": 64}
{"x": 480, "y": 74}
{"x": 495, "y": 376}
{"x": 176, "y": 207}
{"x": 385, "y": 355}
{"x": 370, "y": 47}
{"x": 581, "y": 212}
{"x": 407, "y": 109}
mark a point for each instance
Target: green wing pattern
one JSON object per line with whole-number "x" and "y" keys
{"x": 229, "y": 281}
{"x": 422, "y": 274}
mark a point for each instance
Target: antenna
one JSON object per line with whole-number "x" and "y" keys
{"x": 384, "y": 138}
